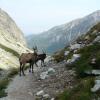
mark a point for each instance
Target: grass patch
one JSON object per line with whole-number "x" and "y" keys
{"x": 3, "y": 85}
{"x": 9, "y": 50}
{"x": 58, "y": 57}
{"x": 84, "y": 63}
{"x": 80, "y": 92}
{"x": 12, "y": 73}
{"x": 5, "y": 81}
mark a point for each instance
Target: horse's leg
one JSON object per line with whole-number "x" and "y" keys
{"x": 23, "y": 69}
{"x": 44, "y": 63}
{"x": 20, "y": 69}
{"x": 41, "y": 63}
{"x": 36, "y": 64}
{"x": 30, "y": 68}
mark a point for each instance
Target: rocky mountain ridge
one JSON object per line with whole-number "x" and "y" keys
{"x": 62, "y": 35}
{"x": 12, "y": 42}
{"x": 83, "y": 55}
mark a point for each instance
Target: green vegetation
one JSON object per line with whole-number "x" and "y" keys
{"x": 58, "y": 57}
{"x": 80, "y": 92}
{"x": 3, "y": 84}
{"x": 5, "y": 81}
{"x": 9, "y": 50}
{"x": 12, "y": 73}
{"x": 84, "y": 63}
{"x": 95, "y": 28}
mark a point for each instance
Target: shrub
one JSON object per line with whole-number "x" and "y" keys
{"x": 5, "y": 81}
{"x": 84, "y": 63}
{"x": 13, "y": 72}
{"x": 3, "y": 85}
{"x": 80, "y": 92}
{"x": 58, "y": 57}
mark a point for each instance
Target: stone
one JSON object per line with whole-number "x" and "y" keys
{"x": 46, "y": 96}
{"x": 44, "y": 75}
{"x": 40, "y": 93}
{"x": 51, "y": 70}
{"x": 52, "y": 98}
{"x": 66, "y": 53}
{"x": 93, "y": 72}
{"x": 73, "y": 59}
{"x": 75, "y": 46}
{"x": 49, "y": 58}
{"x": 93, "y": 61}
{"x": 96, "y": 86}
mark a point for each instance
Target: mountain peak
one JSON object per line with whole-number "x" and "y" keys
{"x": 62, "y": 35}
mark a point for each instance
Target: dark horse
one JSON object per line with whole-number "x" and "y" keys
{"x": 42, "y": 58}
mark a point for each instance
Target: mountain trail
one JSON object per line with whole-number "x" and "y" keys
{"x": 26, "y": 87}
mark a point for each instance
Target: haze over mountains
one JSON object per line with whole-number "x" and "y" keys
{"x": 62, "y": 35}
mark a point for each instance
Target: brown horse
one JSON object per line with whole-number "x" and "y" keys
{"x": 30, "y": 58}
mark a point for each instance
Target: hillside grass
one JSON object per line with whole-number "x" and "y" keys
{"x": 87, "y": 54}
{"x": 5, "y": 81}
{"x": 9, "y": 50}
{"x": 59, "y": 56}
{"x": 82, "y": 91}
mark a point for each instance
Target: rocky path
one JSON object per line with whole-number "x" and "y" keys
{"x": 31, "y": 86}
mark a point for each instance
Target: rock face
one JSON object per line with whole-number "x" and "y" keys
{"x": 12, "y": 42}
{"x": 9, "y": 27}
{"x": 62, "y": 35}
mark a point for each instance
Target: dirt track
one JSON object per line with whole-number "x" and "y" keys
{"x": 26, "y": 87}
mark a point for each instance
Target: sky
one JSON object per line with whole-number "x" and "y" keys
{"x": 35, "y": 16}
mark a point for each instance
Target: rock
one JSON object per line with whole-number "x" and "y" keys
{"x": 75, "y": 51}
{"x": 73, "y": 59}
{"x": 30, "y": 93}
{"x": 97, "y": 39}
{"x": 49, "y": 58}
{"x": 44, "y": 75}
{"x": 40, "y": 93}
{"x": 52, "y": 99}
{"x": 75, "y": 46}
{"x": 76, "y": 55}
{"x": 93, "y": 72}
{"x": 93, "y": 61}
{"x": 12, "y": 42}
{"x": 66, "y": 53}
{"x": 96, "y": 72}
{"x": 46, "y": 96}
{"x": 51, "y": 71}
{"x": 96, "y": 86}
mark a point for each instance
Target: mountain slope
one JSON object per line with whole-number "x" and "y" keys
{"x": 59, "y": 36}
{"x": 84, "y": 57}
{"x": 9, "y": 26}
{"x": 12, "y": 42}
